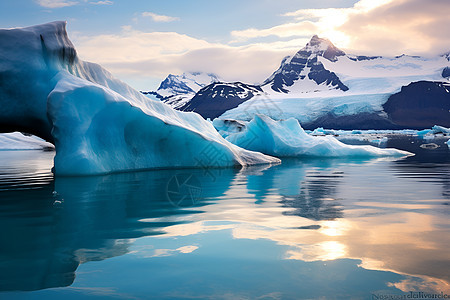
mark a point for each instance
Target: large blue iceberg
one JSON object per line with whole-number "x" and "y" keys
{"x": 97, "y": 123}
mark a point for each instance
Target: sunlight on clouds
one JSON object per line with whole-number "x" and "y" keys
{"x": 132, "y": 53}
{"x": 132, "y": 45}
{"x": 385, "y": 27}
{"x": 285, "y": 30}
{"x": 366, "y": 5}
{"x": 313, "y": 21}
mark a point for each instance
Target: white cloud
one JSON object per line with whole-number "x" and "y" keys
{"x": 105, "y": 2}
{"x": 133, "y": 45}
{"x": 64, "y": 3}
{"x": 159, "y": 18}
{"x": 285, "y": 30}
{"x": 132, "y": 55}
{"x": 55, "y": 3}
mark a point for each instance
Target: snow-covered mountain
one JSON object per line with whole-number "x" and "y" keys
{"x": 177, "y": 90}
{"x": 186, "y": 83}
{"x": 304, "y": 72}
{"x": 321, "y": 85}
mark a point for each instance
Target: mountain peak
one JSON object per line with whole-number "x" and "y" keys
{"x": 322, "y": 47}
{"x": 306, "y": 65}
{"x": 186, "y": 83}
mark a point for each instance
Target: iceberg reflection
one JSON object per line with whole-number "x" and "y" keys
{"x": 53, "y": 228}
{"x": 363, "y": 216}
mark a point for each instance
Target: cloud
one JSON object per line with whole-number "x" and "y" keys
{"x": 401, "y": 26}
{"x": 55, "y": 3}
{"x": 284, "y": 30}
{"x": 134, "y": 54}
{"x": 384, "y": 27}
{"x": 132, "y": 45}
{"x": 105, "y": 2}
{"x": 159, "y": 18}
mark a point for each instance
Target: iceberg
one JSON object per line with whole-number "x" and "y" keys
{"x": 286, "y": 138}
{"x": 440, "y": 129}
{"x": 97, "y": 123}
{"x": 19, "y": 141}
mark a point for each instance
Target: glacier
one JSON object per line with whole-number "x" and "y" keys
{"x": 97, "y": 123}
{"x": 286, "y": 138}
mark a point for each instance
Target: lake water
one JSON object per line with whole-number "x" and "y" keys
{"x": 305, "y": 229}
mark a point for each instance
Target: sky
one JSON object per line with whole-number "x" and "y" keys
{"x": 142, "y": 41}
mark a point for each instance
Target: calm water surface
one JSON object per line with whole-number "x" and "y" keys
{"x": 305, "y": 229}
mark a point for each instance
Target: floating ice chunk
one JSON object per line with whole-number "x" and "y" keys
{"x": 440, "y": 129}
{"x": 287, "y": 138}
{"x": 225, "y": 127}
{"x": 430, "y": 134}
{"x": 380, "y": 142}
{"x": 320, "y": 131}
{"x": 423, "y": 132}
{"x": 448, "y": 143}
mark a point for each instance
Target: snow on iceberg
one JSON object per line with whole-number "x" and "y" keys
{"x": 286, "y": 138}
{"x": 97, "y": 123}
{"x": 19, "y": 141}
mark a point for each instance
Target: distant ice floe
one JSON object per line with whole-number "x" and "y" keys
{"x": 287, "y": 138}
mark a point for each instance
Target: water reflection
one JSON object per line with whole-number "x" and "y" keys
{"x": 57, "y": 225}
{"x": 363, "y": 215}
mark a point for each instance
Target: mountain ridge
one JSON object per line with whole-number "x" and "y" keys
{"x": 320, "y": 84}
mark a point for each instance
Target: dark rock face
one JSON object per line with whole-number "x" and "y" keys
{"x": 215, "y": 99}
{"x": 152, "y": 93}
{"x": 319, "y": 74}
{"x": 420, "y": 105}
{"x": 291, "y": 68}
{"x": 446, "y": 72}
{"x": 363, "y": 57}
